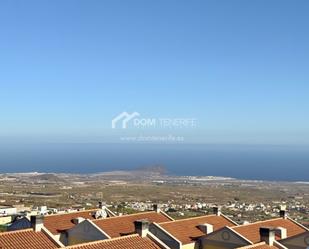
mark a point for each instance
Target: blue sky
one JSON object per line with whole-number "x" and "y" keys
{"x": 240, "y": 67}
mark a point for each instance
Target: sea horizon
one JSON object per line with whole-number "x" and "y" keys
{"x": 247, "y": 162}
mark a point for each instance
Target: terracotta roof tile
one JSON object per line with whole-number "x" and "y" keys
{"x": 124, "y": 225}
{"x": 187, "y": 230}
{"x": 61, "y": 222}
{"x": 127, "y": 242}
{"x": 252, "y": 231}
{"x": 25, "y": 239}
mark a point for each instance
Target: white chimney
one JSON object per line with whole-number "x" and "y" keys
{"x": 206, "y": 228}
{"x": 281, "y": 232}
{"x": 268, "y": 235}
{"x": 37, "y": 222}
{"x": 141, "y": 227}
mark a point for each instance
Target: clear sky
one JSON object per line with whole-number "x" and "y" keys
{"x": 241, "y": 67}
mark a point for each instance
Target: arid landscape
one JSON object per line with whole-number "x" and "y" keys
{"x": 137, "y": 190}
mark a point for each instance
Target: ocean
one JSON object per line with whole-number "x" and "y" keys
{"x": 260, "y": 162}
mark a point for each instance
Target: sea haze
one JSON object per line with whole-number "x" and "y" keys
{"x": 263, "y": 162}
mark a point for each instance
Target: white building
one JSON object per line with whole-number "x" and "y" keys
{"x": 7, "y": 210}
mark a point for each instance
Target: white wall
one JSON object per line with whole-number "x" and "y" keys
{"x": 7, "y": 211}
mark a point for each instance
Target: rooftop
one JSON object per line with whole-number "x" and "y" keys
{"x": 187, "y": 230}
{"x": 252, "y": 231}
{"x": 124, "y": 225}
{"x": 61, "y": 222}
{"x": 25, "y": 239}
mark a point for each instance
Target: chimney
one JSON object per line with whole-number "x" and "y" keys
{"x": 281, "y": 232}
{"x": 283, "y": 214}
{"x": 156, "y": 208}
{"x": 217, "y": 211}
{"x": 100, "y": 204}
{"x": 37, "y": 222}
{"x": 267, "y": 235}
{"x": 78, "y": 220}
{"x": 141, "y": 227}
{"x": 206, "y": 228}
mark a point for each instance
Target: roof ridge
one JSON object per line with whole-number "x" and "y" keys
{"x": 297, "y": 223}
{"x": 74, "y": 212}
{"x": 126, "y": 215}
{"x": 167, "y": 232}
{"x": 257, "y": 222}
{"x": 103, "y": 241}
{"x": 166, "y": 215}
{"x": 190, "y": 218}
{"x": 239, "y": 234}
{"x": 99, "y": 229}
{"x": 229, "y": 219}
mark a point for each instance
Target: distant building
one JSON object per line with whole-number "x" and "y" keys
{"x": 5, "y": 219}
{"x": 7, "y": 210}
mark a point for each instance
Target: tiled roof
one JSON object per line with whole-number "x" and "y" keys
{"x": 261, "y": 245}
{"x": 25, "y": 239}
{"x": 187, "y": 230}
{"x": 61, "y": 222}
{"x": 124, "y": 225}
{"x": 127, "y": 242}
{"x": 252, "y": 231}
